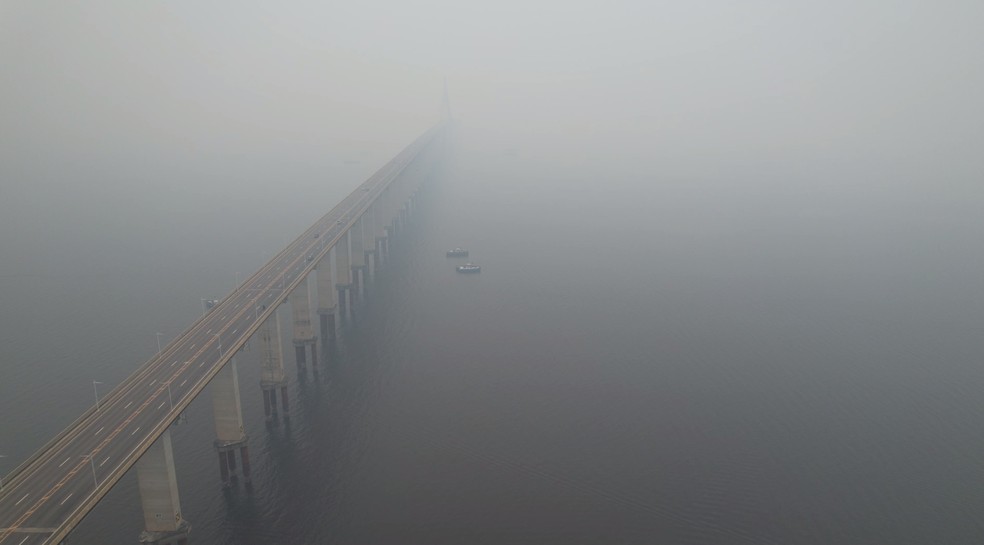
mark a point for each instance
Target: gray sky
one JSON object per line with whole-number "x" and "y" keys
{"x": 895, "y": 83}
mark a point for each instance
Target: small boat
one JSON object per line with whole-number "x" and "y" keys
{"x": 458, "y": 252}
{"x": 468, "y": 268}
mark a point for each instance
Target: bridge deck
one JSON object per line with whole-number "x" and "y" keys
{"x": 52, "y": 491}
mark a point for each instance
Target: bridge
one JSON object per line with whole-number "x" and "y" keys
{"x": 53, "y": 490}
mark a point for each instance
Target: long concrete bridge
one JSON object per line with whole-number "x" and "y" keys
{"x": 51, "y": 492}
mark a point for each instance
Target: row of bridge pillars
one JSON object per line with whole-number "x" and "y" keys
{"x": 357, "y": 256}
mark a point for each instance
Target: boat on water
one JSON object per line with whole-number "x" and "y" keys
{"x": 468, "y": 268}
{"x": 458, "y": 252}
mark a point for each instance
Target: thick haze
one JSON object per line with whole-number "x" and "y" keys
{"x": 730, "y": 256}
{"x": 871, "y": 82}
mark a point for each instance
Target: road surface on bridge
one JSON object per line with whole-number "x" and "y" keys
{"x": 52, "y": 491}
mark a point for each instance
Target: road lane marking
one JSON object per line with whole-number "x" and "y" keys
{"x": 135, "y": 431}
{"x": 128, "y": 404}
{"x": 161, "y": 406}
{"x": 209, "y": 331}
{"x": 100, "y": 430}
{"x": 183, "y": 382}
{"x": 23, "y": 540}
{"x": 65, "y": 462}
{"x": 194, "y": 345}
{"x": 201, "y": 364}
{"x": 235, "y": 330}
{"x": 66, "y": 498}
{"x": 104, "y": 462}
{"x": 223, "y": 317}
{"x": 22, "y": 499}
{"x": 153, "y": 381}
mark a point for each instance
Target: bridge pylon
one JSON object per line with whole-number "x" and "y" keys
{"x": 158, "y": 485}
{"x": 343, "y": 275}
{"x": 230, "y": 434}
{"x": 300, "y": 303}
{"x": 358, "y": 256}
{"x": 326, "y": 303}
{"x": 272, "y": 376}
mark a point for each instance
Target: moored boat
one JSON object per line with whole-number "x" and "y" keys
{"x": 468, "y": 268}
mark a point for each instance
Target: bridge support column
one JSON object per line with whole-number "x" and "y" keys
{"x": 370, "y": 269}
{"x": 369, "y": 243}
{"x": 326, "y": 303}
{"x": 343, "y": 275}
{"x": 358, "y": 283}
{"x": 230, "y": 433}
{"x": 379, "y": 218}
{"x": 159, "y": 496}
{"x": 272, "y": 366}
{"x": 379, "y": 255}
{"x": 303, "y": 333}
{"x": 343, "y": 291}
{"x": 390, "y": 233}
{"x": 357, "y": 255}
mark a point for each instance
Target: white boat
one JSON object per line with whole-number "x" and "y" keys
{"x": 458, "y": 252}
{"x": 468, "y": 268}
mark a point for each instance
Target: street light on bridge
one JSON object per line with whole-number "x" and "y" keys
{"x": 95, "y": 481}
{"x": 1, "y": 474}
{"x": 96, "y": 392}
{"x": 158, "y": 343}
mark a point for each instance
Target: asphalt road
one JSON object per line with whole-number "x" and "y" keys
{"x": 51, "y": 492}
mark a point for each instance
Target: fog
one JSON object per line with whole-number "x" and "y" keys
{"x": 891, "y": 83}
{"x": 743, "y": 234}
{"x": 148, "y": 105}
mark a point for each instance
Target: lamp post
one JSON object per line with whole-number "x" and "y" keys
{"x": 158, "y": 343}
{"x": 169, "y": 395}
{"x": 96, "y": 392}
{"x": 95, "y": 481}
{"x": 1, "y": 474}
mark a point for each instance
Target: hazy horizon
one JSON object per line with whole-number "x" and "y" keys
{"x": 730, "y": 287}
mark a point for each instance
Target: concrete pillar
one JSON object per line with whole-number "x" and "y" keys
{"x": 159, "y": 495}
{"x": 392, "y": 205}
{"x": 224, "y": 469}
{"x": 343, "y": 274}
{"x": 230, "y": 433}
{"x": 271, "y": 365}
{"x": 303, "y": 331}
{"x": 380, "y": 218}
{"x": 358, "y": 257}
{"x": 369, "y": 244}
{"x": 326, "y": 301}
